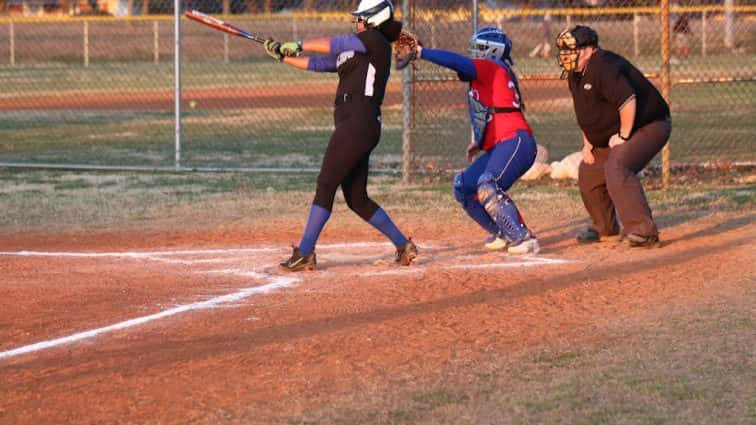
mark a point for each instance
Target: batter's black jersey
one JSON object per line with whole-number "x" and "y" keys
{"x": 365, "y": 74}
{"x": 605, "y": 85}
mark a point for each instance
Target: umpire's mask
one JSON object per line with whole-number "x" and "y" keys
{"x": 569, "y": 42}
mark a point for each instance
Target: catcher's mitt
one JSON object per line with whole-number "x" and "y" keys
{"x": 405, "y": 50}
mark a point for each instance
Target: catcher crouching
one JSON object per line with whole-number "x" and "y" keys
{"x": 500, "y": 130}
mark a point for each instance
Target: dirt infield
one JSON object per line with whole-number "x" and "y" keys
{"x": 200, "y": 327}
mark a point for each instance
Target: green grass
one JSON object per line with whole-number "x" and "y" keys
{"x": 245, "y": 138}
{"x": 122, "y": 77}
{"x": 42, "y": 199}
{"x": 136, "y": 77}
{"x": 674, "y": 365}
{"x": 710, "y": 122}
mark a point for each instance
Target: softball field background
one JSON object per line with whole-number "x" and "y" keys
{"x": 153, "y": 297}
{"x": 164, "y": 305}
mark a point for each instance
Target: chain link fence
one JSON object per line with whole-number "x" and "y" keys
{"x": 92, "y": 84}
{"x": 710, "y": 77}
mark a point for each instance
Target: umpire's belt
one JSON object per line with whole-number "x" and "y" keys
{"x": 349, "y": 97}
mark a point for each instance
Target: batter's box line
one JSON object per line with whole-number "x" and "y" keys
{"x": 422, "y": 268}
{"x": 271, "y": 283}
{"x": 167, "y": 253}
{"x": 139, "y": 254}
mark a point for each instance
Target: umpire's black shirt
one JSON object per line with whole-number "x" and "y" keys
{"x": 365, "y": 74}
{"x": 605, "y": 85}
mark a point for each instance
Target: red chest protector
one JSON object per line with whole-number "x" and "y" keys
{"x": 494, "y": 104}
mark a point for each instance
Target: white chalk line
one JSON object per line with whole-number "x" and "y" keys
{"x": 189, "y": 262}
{"x": 531, "y": 261}
{"x": 277, "y": 282}
{"x": 135, "y": 254}
{"x": 147, "y": 254}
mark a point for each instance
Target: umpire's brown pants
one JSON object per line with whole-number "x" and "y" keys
{"x": 610, "y": 184}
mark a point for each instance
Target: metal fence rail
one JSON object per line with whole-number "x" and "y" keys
{"x": 98, "y": 91}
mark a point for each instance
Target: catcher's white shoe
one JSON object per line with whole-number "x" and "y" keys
{"x": 495, "y": 243}
{"x": 527, "y": 246}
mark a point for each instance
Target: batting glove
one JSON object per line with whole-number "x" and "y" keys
{"x": 273, "y": 49}
{"x": 291, "y": 48}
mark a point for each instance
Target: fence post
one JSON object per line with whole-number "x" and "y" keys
{"x": 156, "y": 40}
{"x": 177, "y": 84}
{"x": 636, "y": 35}
{"x": 703, "y": 33}
{"x": 86, "y": 44}
{"x": 665, "y": 82}
{"x": 729, "y": 35}
{"x": 408, "y": 148}
{"x": 225, "y": 47}
{"x": 475, "y": 26}
{"x": 12, "y": 37}
{"x": 475, "y": 13}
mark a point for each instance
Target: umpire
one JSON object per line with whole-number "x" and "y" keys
{"x": 625, "y": 122}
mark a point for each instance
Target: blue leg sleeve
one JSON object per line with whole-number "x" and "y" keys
{"x": 315, "y": 223}
{"x": 381, "y": 221}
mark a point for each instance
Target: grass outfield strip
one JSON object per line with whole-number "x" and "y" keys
{"x": 123, "y": 77}
{"x": 41, "y": 199}
{"x": 245, "y": 138}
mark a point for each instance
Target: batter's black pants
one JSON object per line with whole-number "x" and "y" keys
{"x": 346, "y": 160}
{"x": 610, "y": 184}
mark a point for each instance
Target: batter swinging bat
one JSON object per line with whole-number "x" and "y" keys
{"x": 222, "y": 25}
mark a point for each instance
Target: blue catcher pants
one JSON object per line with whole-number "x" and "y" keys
{"x": 503, "y": 166}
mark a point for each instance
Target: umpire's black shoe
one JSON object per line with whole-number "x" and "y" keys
{"x": 299, "y": 261}
{"x": 591, "y": 235}
{"x": 639, "y": 241}
{"x": 407, "y": 253}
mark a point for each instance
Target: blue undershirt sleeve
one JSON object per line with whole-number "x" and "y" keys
{"x": 345, "y": 43}
{"x": 463, "y": 65}
{"x": 325, "y": 63}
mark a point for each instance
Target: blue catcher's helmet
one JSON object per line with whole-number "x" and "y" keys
{"x": 491, "y": 43}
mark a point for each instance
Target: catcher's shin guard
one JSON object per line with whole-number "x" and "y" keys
{"x": 503, "y": 211}
{"x": 298, "y": 261}
{"x": 468, "y": 200}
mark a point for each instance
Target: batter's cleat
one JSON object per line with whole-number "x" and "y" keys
{"x": 590, "y": 235}
{"x": 299, "y": 261}
{"x": 495, "y": 243}
{"x": 529, "y": 245}
{"x": 639, "y": 241}
{"x": 406, "y": 254}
